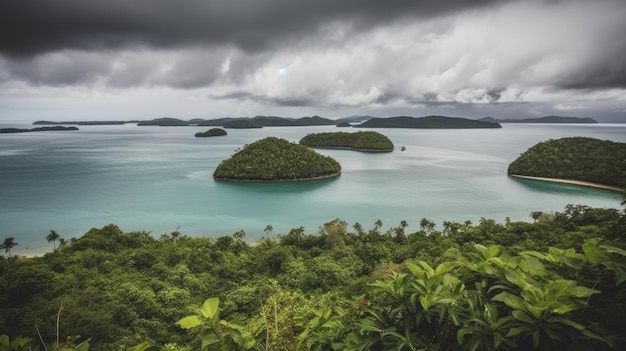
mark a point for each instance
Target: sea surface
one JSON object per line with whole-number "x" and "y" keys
{"x": 158, "y": 179}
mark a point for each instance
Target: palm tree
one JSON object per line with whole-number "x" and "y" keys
{"x": 8, "y": 244}
{"x": 53, "y": 236}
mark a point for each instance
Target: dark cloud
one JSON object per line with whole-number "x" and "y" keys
{"x": 268, "y": 100}
{"x": 30, "y": 27}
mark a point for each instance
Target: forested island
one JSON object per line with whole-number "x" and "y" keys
{"x": 555, "y": 283}
{"x": 242, "y": 124}
{"x": 211, "y": 133}
{"x": 362, "y": 141}
{"x": 575, "y": 158}
{"x": 276, "y": 160}
{"x": 37, "y": 129}
{"x": 546, "y": 119}
{"x": 82, "y": 123}
{"x": 438, "y": 122}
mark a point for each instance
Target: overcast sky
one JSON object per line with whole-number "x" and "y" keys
{"x": 143, "y": 59}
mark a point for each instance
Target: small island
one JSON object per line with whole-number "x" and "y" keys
{"x": 344, "y": 124}
{"x": 276, "y": 160}
{"x": 211, "y": 133}
{"x": 37, "y": 129}
{"x": 575, "y": 160}
{"x": 361, "y": 141}
{"x": 434, "y": 122}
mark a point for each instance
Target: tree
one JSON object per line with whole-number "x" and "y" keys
{"x": 53, "y": 236}
{"x": 8, "y": 244}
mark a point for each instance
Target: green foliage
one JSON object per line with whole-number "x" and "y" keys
{"x": 362, "y": 141}
{"x": 211, "y": 133}
{"x": 19, "y": 343}
{"x": 275, "y": 159}
{"x": 578, "y": 158}
{"x": 465, "y": 286}
{"x": 8, "y": 244}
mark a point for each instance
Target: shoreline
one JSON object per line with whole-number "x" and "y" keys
{"x": 573, "y": 182}
{"x": 349, "y": 148}
{"x": 334, "y": 175}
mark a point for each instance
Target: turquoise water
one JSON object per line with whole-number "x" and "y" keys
{"x": 160, "y": 178}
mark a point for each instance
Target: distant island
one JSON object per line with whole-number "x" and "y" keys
{"x": 360, "y": 141}
{"x": 546, "y": 119}
{"x": 602, "y": 162}
{"x": 242, "y": 124}
{"x": 435, "y": 122}
{"x": 81, "y": 123}
{"x": 344, "y": 124}
{"x": 276, "y": 160}
{"x": 38, "y": 129}
{"x": 211, "y": 133}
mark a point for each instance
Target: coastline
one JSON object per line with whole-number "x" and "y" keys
{"x": 349, "y": 148}
{"x": 334, "y": 175}
{"x": 572, "y": 182}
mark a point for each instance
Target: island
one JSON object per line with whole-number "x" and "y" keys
{"x": 546, "y": 119}
{"x": 276, "y": 160}
{"x": 38, "y": 129}
{"x": 344, "y": 124}
{"x": 80, "y": 123}
{"x": 211, "y": 133}
{"x": 164, "y": 122}
{"x": 242, "y": 124}
{"x": 434, "y": 122}
{"x": 575, "y": 160}
{"x": 361, "y": 141}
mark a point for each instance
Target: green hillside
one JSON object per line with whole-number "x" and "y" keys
{"x": 275, "y": 159}
{"x": 576, "y": 158}
{"x": 362, "y": 141}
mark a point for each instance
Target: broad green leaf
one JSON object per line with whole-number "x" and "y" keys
{"x": 613, "y": 249}
{"x": 210, "y": 307}
{"x": 446, "y": 267}
{"x": 189, "y": 322}
{"x": 145, "y": 347}
{"x": 415, "y": 270}
{"x": 523, "y": 316}
{"x": 210, "y": 339}
{"x": 83, "y": 346}
{"x": 4, "y": 340}
{"x": 593, "y": 253}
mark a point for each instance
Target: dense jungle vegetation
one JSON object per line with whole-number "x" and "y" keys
{"x": 577, "y": 158}
{"x": 362, "y": 141}
{"x": 276, "y": 159}
{"x": 551, "y": 284}
{"x": 211, "y": 133}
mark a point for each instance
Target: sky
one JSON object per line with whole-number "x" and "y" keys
{"x": 119, "y": 60}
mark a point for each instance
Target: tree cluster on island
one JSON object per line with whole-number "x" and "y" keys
{"x": 275, "y": 160}
{"x": 362, "y": 141}
{"x": 37, "y": 129}
{"x": 575, "y": 158}
{"x": 556, "y": 283}
{"x": 211, "y": 133}
{"x": 435, "y": 122}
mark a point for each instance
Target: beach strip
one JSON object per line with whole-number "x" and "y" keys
{"x": 573, "y": 182}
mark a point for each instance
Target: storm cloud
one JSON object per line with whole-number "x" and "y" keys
{"x": 316, "y": 56}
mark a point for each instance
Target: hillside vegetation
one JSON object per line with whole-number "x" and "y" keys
{"x": 576, "y": 158}
{"x": 554, "y": 284}
{"x": 275, "y": 159}
{"x": 437, "y": 122}
{"x": 362, "y": 141}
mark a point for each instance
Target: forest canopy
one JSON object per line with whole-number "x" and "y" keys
{"x": 276, "y": 159}
{"x": 555, "y": 283}
{"x": 575, "y": 158}
{"x": 362, "y": 141}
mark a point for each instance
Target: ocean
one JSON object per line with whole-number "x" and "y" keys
{"x": 159, "y": 179}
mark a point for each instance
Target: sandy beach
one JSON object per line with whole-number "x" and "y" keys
{"x": 571, "y": 181}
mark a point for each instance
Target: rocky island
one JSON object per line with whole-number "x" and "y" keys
{"x": 435, "y": 122}
{"x": 361, "y": 141}
{"x": 574, "y": 160}
{"x": 276, "y": 160}
{"x": 211, "y": 133}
